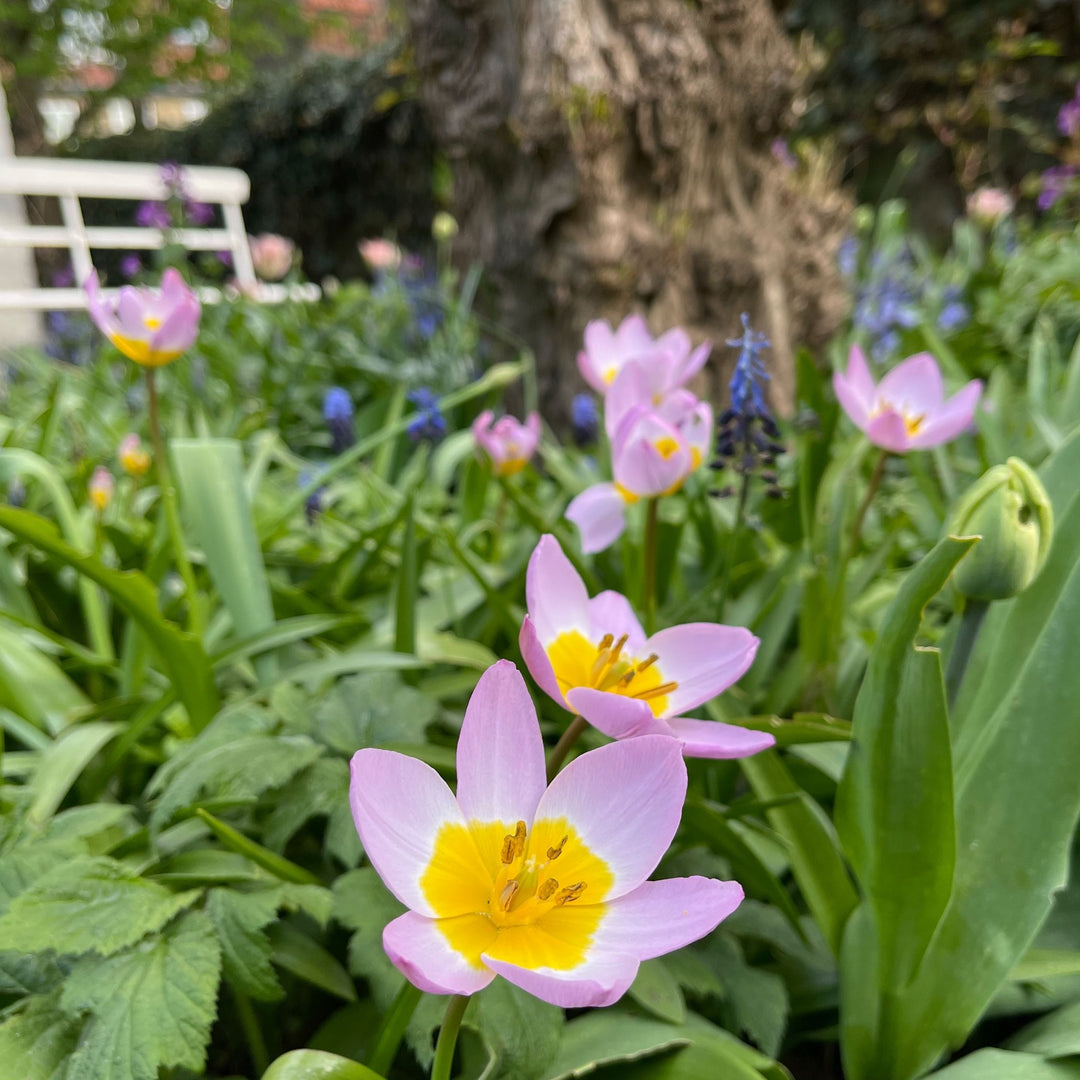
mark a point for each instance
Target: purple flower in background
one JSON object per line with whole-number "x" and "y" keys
{"x": 955, "y": 314}
{"x": 64, "y": 278}
{"x": 1068, "y": 118}
{"x": 585, "y": 418}
{"x": 225, "y": 258}
{"x": 338, "y": 413}
{"x": 199, "y": 214}
{"x": 130, "y": 265}
{"x": 153, "y": 215}
{"x": 1055, "y": 181}
{"x": 847, "y": 257}
{"x": 428, "y": 422}
{"x": 782, "y": 154}
{"x": 887, "y": 301}
{"x": 172, "y": 176}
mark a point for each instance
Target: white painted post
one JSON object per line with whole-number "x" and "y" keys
{"x": 16, "y": 264}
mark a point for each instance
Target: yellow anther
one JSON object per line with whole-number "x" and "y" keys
{"x": 548, "y": 889}
{"x": 570, "y": 893}
{"x": 555, "y": 852}
{"x": 513, "y": 845}
{"x": 656, "y": 691}
{"x": 605, "y": 643}
{"x": 627, "y": 679}
{"x": 652, "y": 658}
{"x": 506, "y": 897}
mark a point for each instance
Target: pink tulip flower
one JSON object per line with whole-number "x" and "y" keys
{"x": 271, "y": 255}
{"x": 150, "y": 326}
{"x": 907, "y": 410}
{"x": 593, "y": 658}
{"x": 669, "y": 359}
{"x": 509, "y": 445}
{"x": 652, "y": 453}
{"x": 101, "y": 489}
{"x": 380, "y": 254}
{"x": 545, "y": 886}
{"x": 134, "y": 460}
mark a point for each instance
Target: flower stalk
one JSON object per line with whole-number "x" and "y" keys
{"x": 871, "y": 490}
{"x": 648, "y": 578}
{"x": 448, "y": 1033}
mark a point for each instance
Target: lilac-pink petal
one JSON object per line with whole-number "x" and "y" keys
{"x": 599, "y": 513}
{"x": 419, "y": 950}
{"x": 101, "y": 311}
{"x": 131, "y": 314}
{"x": 555, "y": 595}
{"x": 630, "y": 389}
{"x": 537, "y": 661}
{"x": 633, "y": 336}
{"x": 914, "y": 386}
{"x": 601, "y": 980}
{"x": 858, "y": 376}
{"x": 693, "y": 363}
{"x": 500, "y": 752}
{"x": 889, "y": 431}
{"x": 851, "y": 401}
{"x": 662, "y": 916}
{"x": 712, "y": 739}
{"x": 951, "y": 419}
{"x": 641, "y": 467}
{"x": 617, "y": 716}
{"x": 611, "y": 613}
{"x": 625, "y": 799}
{"x": 675, "y": 342}
{"x": 180, "y": 328}
{"x": 703, "y": 658}
{"x": 399, "y": 804}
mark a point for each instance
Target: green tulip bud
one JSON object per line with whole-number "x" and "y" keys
{"x": 443, "y": 227}
{"x": 1009, "y": 508}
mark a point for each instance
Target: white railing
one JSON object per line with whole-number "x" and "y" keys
{"x": 72, "y": 181}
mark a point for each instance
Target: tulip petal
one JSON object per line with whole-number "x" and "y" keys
{"x": 555, "y": 595}
{"x": 398, "y": 839}
{"x": 858, "y": 376}
{"x": 419, "y": 950}
{"x": 693, "y": 363}
{"x": 661, "y": 916}
{"x": 500, "y": 752}
{"x": 633, "y": 336}
{"x": 600, "y": 980}
{"x": 101, "y": 311}
{"x": 131, "y": 314}
{"x": 537, "y": 661}
{"x": 712, "y": 739}
{"x": 851, "y": 401}
{"x": 631, "y": 387}
{"x": 590, "y": 373}
{"x": 611, "y": 613}
{"x": 179, "y": 330}
{"x": 914, "y": 386}
{"x": 625, "y": 800}
{"x": 889, "y": 431}
{"x": 703, "y": 658}
{"x": 599, "y": 513}
{"x": 952, "y": 419}
{"x": 617, "y": 716}
{"x": 650, "y": 456}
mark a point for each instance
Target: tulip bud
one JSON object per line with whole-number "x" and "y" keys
{"x": 1009, "y": 508}
{"x": 101, "y": 488}
{"x": 444, "y": 227}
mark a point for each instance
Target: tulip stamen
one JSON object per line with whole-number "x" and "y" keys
{"x": 513, "y": 846}
{"x": 506, "y": 897}
{"x": 570, "y": 893}
{"x": 656, "y": 691}
{"x": 648, "y": 662}
{"x": 555, "y": 852}
{"x": 548, "y": 889}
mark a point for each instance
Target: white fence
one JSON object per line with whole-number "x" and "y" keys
{"x": 72, "y": 181}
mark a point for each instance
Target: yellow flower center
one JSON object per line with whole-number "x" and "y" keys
{"x": 141, "y": 353}
{"x": 576, "y": 662}
{"x": 609, "y": 375}
{"x": 151, "y": 322}
{"x": 532, "y": 899}
{"x": 913, "y": 422}
{"x": 667, "y": 447}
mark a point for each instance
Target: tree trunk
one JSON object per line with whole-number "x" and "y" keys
{"x": 615, "y": 155}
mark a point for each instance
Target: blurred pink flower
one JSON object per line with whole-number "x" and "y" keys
{"x": 653, "y": 451}
{"x": 134, "y": 460}
{"x": 271, "y": 255}
{"x": 907, "y": 410}
{"x": 380, "y": 254}
{"x": 668, "y": 362}
{"x": 508, "y": 444}
{"x": 989, "y": 204}
{"x": 101, "y": 488}
{"x": 150, "y": 326}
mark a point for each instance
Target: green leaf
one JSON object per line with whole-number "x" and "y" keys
{"x": 317, "y": 791}
{"x": 608, "y": 1037}
{"x": 273, "y": 863}
{"x": 894, "y": 806}
{"x": 1038, "y": 964}
{"x": 1005, "y": 1065}
{"x": 34, "y": 687}
{"x": 657, "y": 990}
{"x": 407, "y": 587}
{"x": 812, "y": 846}
{"x": 239, "y": 918}
{"x": 210, "y": 473}
{"x": 362, "y": 903}
{"x": 88, "y": 905}
{"x": 372, "y": 709}
{"x": 187, "y": 663}
{"x": 35, "y": 1042}
{"x": 522, "y": 1032}
{"x": 757, "y": 997}
{"x": 1054, "y": 1035}
{"x": 149, "y": 1007}
{"x": 297, "y": 953}
{"x": 317, "y": 1065}
{"x": 63, "y": 762}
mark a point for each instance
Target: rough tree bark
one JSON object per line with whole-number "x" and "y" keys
{"x": 614, "y": 155}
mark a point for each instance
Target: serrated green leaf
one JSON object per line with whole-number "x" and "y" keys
{"x": 317, "y": 791}
{"x": 522, "y": 1032}
{"x": 88, "y": 905}
{"x": 757, "y": 997}
{"x": 362, "y": 903}
{"x": 239, "y": 918}
{"x": 149, "y": 1007}
{"x": 35, "y": 1042}
{"x": 372, "y": 709}
{"x": 657, "y": 990}
{"x": 607, "y": 1037}
{"x": 317, "y": 1065}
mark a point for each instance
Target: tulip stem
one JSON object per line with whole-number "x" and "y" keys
{"x": 168, "y": 501}
{"x": 967, "y": 635}
{"x": 562, "y": 747}
{"x": 648, "y": 586}
{"x": 392, "y": 1030}
{"x": 448, "y": 1033}
{"x": 868, "y": 498}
